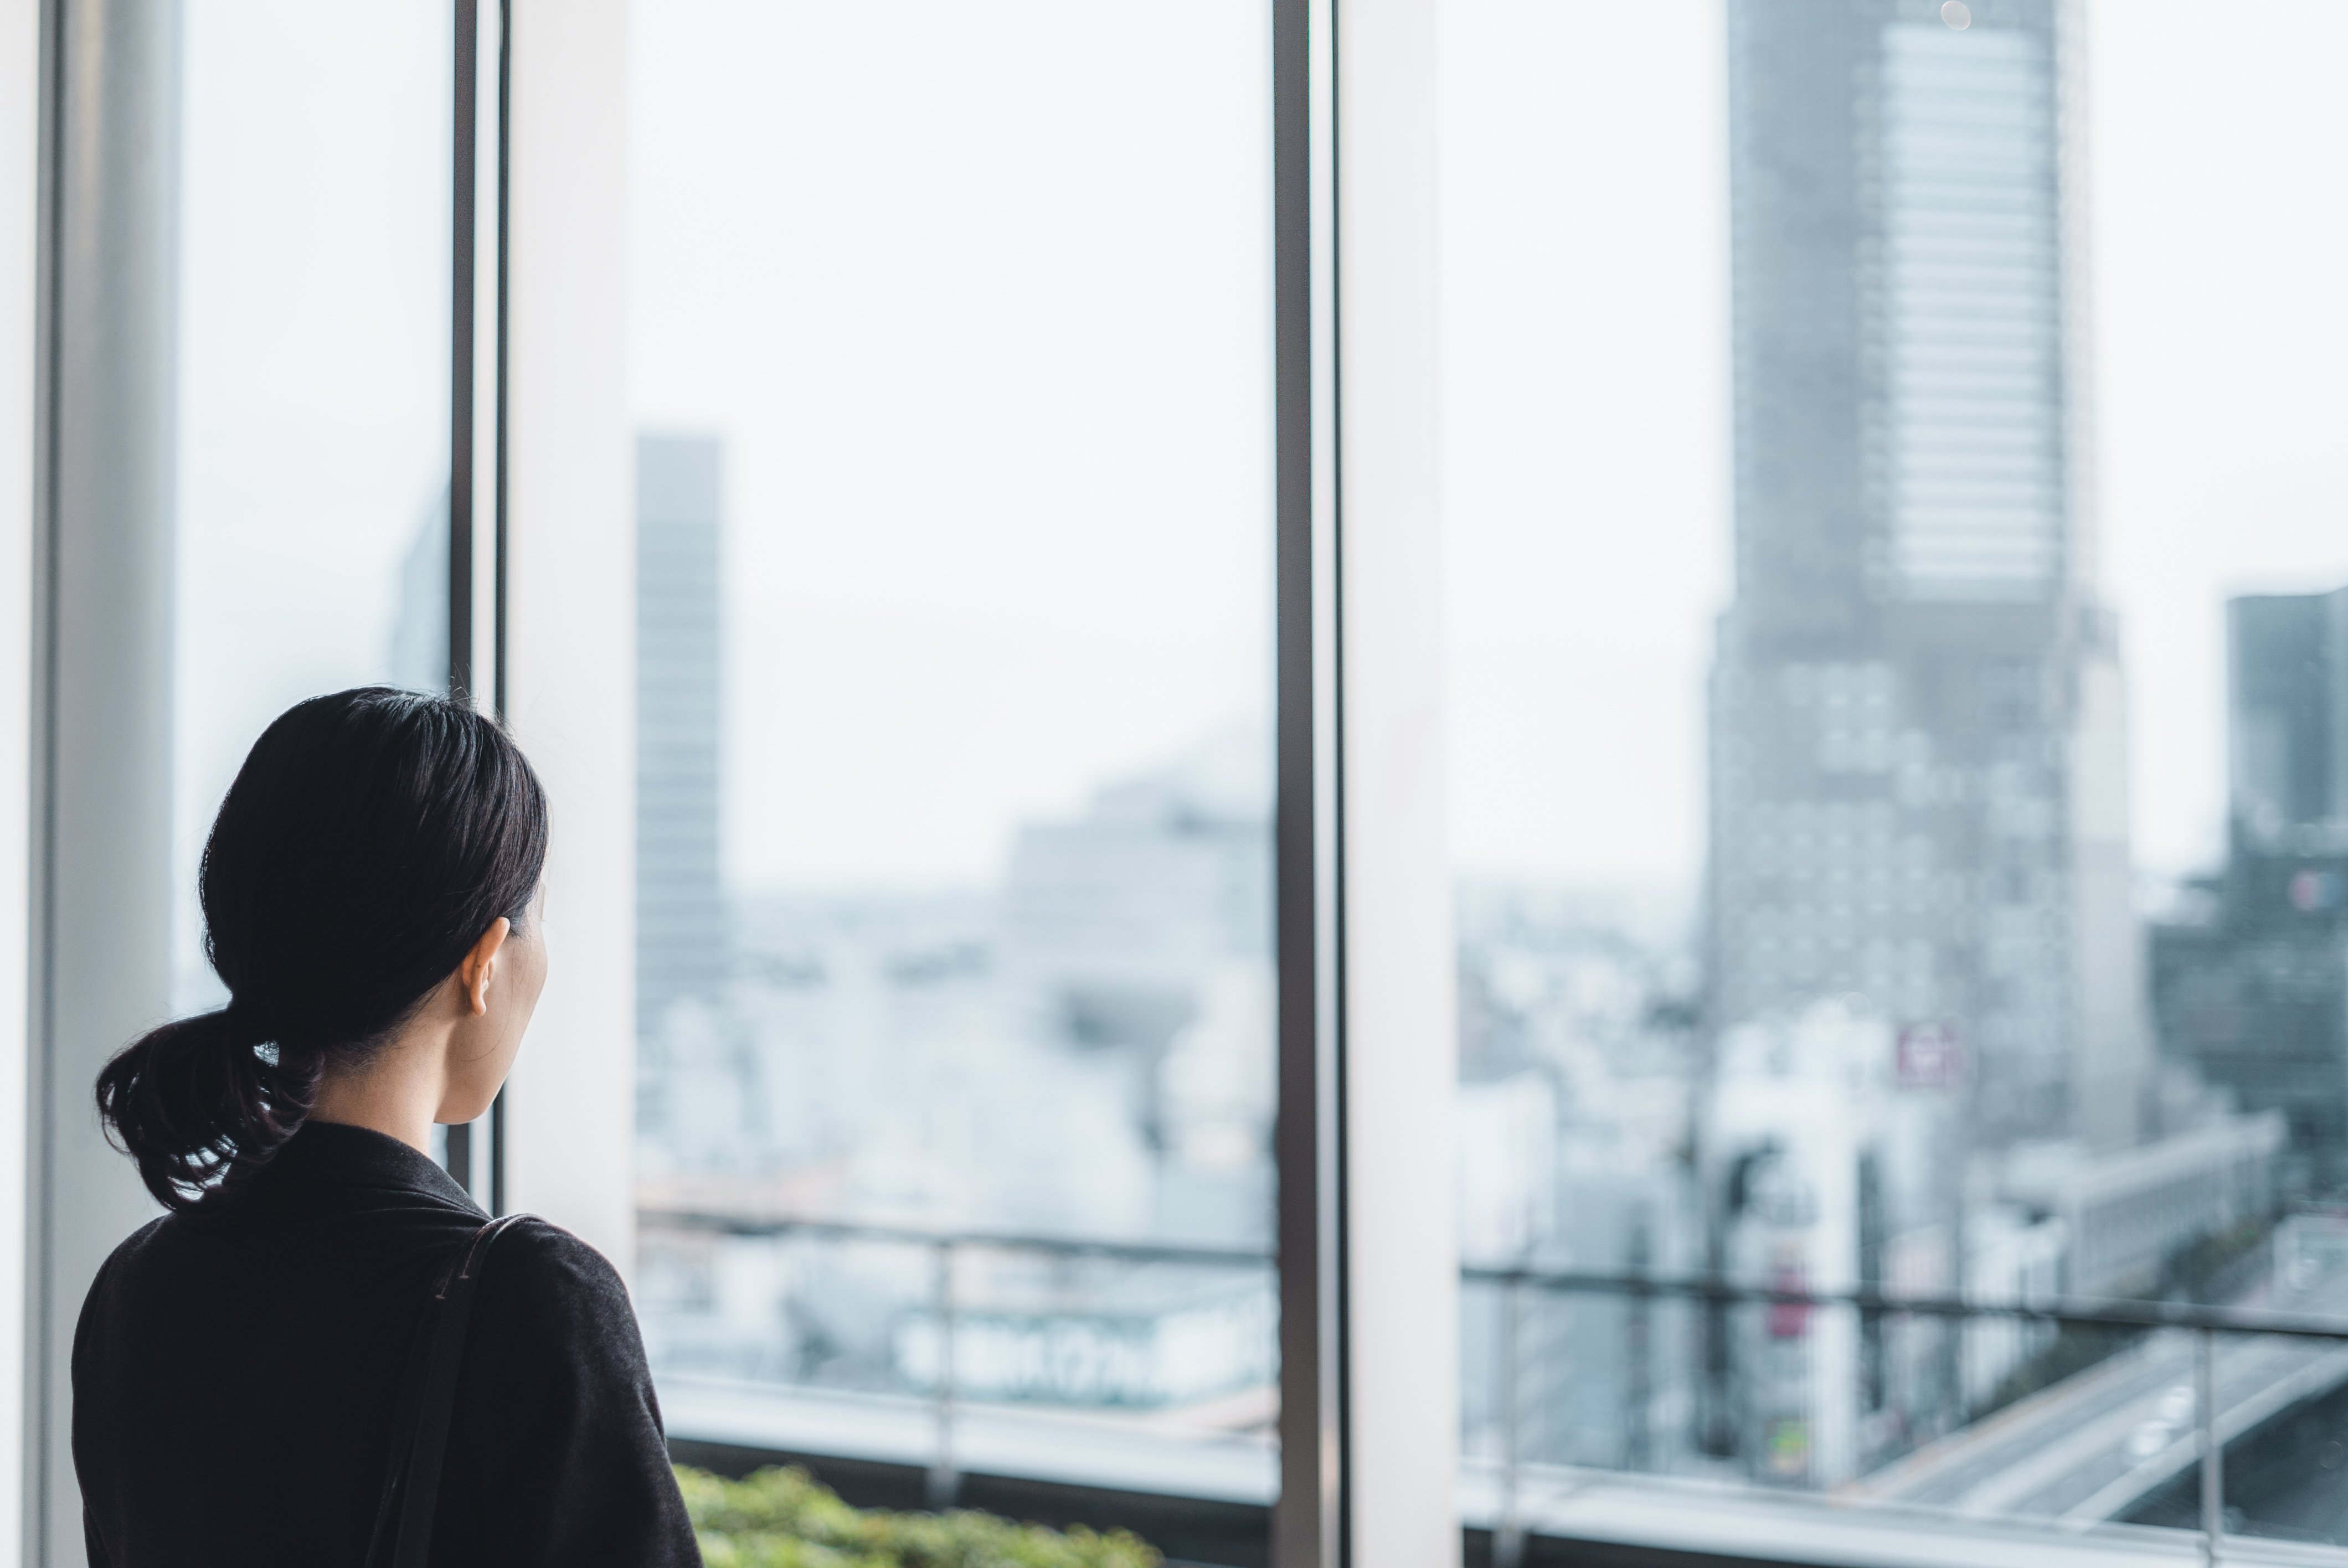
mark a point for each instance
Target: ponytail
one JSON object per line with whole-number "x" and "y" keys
{"x": 368, "y": 842}
{"x": 198, "y": 1102}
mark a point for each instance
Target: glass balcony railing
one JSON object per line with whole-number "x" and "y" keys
{"x": 2139, "y": 1435}
{"x": 1598, "y": 1406}
{"x": 1132, "y": 1367}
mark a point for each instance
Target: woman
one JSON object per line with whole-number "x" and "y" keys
{"x": 247, "y": 1370}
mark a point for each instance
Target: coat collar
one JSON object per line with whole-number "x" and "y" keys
{"x": 338, "y": 1154}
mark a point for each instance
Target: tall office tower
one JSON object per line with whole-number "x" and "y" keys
{"x": 681, "y": 931}
{"x": 1917, "y": 784}
{"x": 2251, "y": 984}
{"x": 2290, "y": 715}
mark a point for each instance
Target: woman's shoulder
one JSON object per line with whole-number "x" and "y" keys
{"x": 544, "y": 1253}
{"x": 125, "y": 1257}
{"x": 552, "y": 1325}
{"x": 137, "y": 1245}
{"x": 544, "y": 1276}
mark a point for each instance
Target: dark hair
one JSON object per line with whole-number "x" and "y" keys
{"x": 370, "y": 840}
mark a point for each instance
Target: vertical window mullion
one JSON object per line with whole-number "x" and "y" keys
{"x": 477, "y": 433}
{"x": 1308, "y": 1522}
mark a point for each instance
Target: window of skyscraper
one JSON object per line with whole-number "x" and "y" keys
{"x": 1898, "y": 654}
{"x": 953, "y": 368}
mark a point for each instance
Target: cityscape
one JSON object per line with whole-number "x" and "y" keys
{"x": 1917, "y": 1030}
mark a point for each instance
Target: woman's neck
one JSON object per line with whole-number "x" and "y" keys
{"x": 396, "y": 1090}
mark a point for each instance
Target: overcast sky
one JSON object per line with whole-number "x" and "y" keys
{"x": 1584, "y": 234}
{"x": 313, "y": 368}
{"x": 978, "y": 295}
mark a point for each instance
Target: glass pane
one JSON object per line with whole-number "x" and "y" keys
{"x": 954, "y": 681}
{"x": 1899, "y": 676}
{"x": 313, "y": 364}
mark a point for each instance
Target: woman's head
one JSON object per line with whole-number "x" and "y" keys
{"x": 370, "y": 843}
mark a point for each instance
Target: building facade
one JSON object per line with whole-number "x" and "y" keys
{"x": 681, "y": 927}
{"x": 1917, "y": 786}
{"x": 2250, "y": 979}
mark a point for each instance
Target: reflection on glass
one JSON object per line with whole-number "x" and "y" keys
{"x": 952, "y": 354}
{"x": 1902, "y": 797}
{"x": 313, "y": 364}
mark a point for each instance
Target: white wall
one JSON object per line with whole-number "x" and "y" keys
{"x": 101, "y": 969}
{"x": 571, "y": 608}
{"x": 20, "y": 99}
{"x": 1401, "y": 1071}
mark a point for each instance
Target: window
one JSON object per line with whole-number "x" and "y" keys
{"x": 246, "y": 231}
{"x": 312, "y": 525}
{"x": 954, "y": 670}
{"x": 1895, "y": 614}
{"x": 1896, "y": 565}
{"x": 313, "y": 362}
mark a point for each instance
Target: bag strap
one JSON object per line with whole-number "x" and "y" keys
{"x": 431, "y": 1398}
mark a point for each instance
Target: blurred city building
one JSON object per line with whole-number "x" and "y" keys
{"x": 681, "y": 925}
{"x": 2127, "y": 1214}
{"x": 1831, "y": 1174}
{"x": 2249, "y": 975}
{"x": 1571, "y": 1135}
{"x": 1921, "y": 950}
{"x": 1083, "y": 1049}
{"x": 1917, "y": 786}
{"x": 1138, "y": 930}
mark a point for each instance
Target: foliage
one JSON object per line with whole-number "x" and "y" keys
{"x": 785, "y": 1518}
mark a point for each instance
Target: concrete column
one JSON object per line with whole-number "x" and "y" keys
{"x": 21, "y": 103}
{"x": 1403, "y": 1263}
{"x": 570, "y": 614}
{"x": 101, "y": 925}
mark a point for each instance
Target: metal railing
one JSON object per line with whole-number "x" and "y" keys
{"x": 2108, "y": 1314}
{"x": 945, "y": 1479}
{"x": 2205, "y": 1323}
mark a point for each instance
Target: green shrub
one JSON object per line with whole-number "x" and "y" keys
{"x": 785, "y": 1518}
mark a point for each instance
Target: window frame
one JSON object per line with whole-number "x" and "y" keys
{"x": 541, "y": 632}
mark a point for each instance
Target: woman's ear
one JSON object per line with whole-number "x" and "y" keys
{"x": 473, "y": 974}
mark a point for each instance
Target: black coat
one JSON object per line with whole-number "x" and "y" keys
{"x": 236, "y": 1367}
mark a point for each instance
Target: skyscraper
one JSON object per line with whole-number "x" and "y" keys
{"x": 1917, "y": 785}
{"x": 2289, "y": 654}
{"x": 2251, "y": 984}
{"x": 681, "y": 931}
